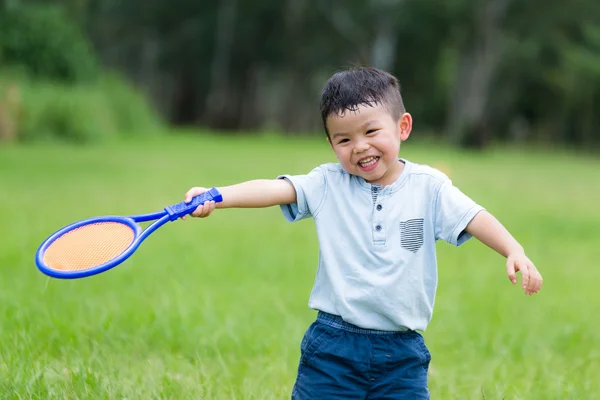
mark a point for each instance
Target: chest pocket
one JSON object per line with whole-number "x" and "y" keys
{"x": 411, "y": 234}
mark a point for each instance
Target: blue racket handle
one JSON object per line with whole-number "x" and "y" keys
{"x": 178, "y": 210}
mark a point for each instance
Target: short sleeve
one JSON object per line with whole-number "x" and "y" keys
{"x": 310, "y": 191}
{"x": 453, "y": 210}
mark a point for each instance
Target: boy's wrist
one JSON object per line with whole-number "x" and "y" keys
{"x": 516, "y": 250}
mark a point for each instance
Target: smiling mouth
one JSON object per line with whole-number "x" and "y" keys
{"x": 368, "y": 163}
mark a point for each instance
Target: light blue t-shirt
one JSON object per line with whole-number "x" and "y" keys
{"x": 377, "y": 260}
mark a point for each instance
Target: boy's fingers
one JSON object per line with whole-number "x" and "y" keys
{"x": 204, "y": 210}
{"x": 197, "y": 212}
{"x": 207, "y": 208}
{"x": 540, "y": 283}
{"x": 536, "y": 280}
{"x": 525, "y": 276}
{"x": 211, "y": 207}
{"x": 188, "y": 196}
{"x": 195, "y": 191}
{"x": 532, "y": 281}
{"x": 510, "y": 270}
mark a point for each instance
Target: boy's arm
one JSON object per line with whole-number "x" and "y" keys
{"x": 485, "y": 227}
{"x": 251, "y": 194}
{"x": 257, "y": 193}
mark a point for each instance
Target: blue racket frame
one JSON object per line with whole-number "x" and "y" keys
{"x": 170, "y": 213}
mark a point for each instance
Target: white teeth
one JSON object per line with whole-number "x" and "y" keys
{"x": 368, "y": 161}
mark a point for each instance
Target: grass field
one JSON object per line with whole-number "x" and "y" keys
{"x": 216, "y": 308}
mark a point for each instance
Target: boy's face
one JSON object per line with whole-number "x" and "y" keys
{"x": 367, "y": 142}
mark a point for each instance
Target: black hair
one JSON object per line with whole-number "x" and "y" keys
{"x": 346, "y": 90}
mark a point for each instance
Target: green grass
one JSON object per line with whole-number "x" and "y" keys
{"x": 216, "y": 308}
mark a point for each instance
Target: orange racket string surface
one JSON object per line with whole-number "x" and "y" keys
{"x": 88, "y": 246}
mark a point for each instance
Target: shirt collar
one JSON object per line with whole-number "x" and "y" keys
{"x": 397, "y": 184}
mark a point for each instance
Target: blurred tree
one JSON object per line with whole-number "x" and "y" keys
{"x": 43, "y": 41}
{"x": 480, "y": 45}
{"x": 220, "y": 68}
{"x": 544, "y": 81}
{"x": 385, "y": 42}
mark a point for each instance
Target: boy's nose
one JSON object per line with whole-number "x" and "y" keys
{"x": 361, "y": 147}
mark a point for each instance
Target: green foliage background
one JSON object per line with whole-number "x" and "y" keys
{"x": 473, "y": 72}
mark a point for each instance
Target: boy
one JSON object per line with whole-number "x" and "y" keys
{"x": 377, "y": 218}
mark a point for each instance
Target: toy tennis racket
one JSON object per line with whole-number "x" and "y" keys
{"x": 94, "y": 245}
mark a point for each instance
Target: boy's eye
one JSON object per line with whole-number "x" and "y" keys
{"x": 371, "y": 131}
{"x": 344, "y": 141}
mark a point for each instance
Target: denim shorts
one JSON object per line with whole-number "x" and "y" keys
{"x": 339, "y": 360}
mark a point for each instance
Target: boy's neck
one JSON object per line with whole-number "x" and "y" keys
{"x": 393, "y": 176}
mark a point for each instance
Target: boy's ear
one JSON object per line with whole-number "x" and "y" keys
{"x": 405, "y": 126}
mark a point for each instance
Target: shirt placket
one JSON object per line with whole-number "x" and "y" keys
{"x": 378, "y": 225}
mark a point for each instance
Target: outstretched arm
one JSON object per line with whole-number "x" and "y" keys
{"x": 493, "y": 234}
{"x": 251, "y": 194}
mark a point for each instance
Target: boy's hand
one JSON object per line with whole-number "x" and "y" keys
{"x": 204, "y": 210}
{"x": 532, "y": 279}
